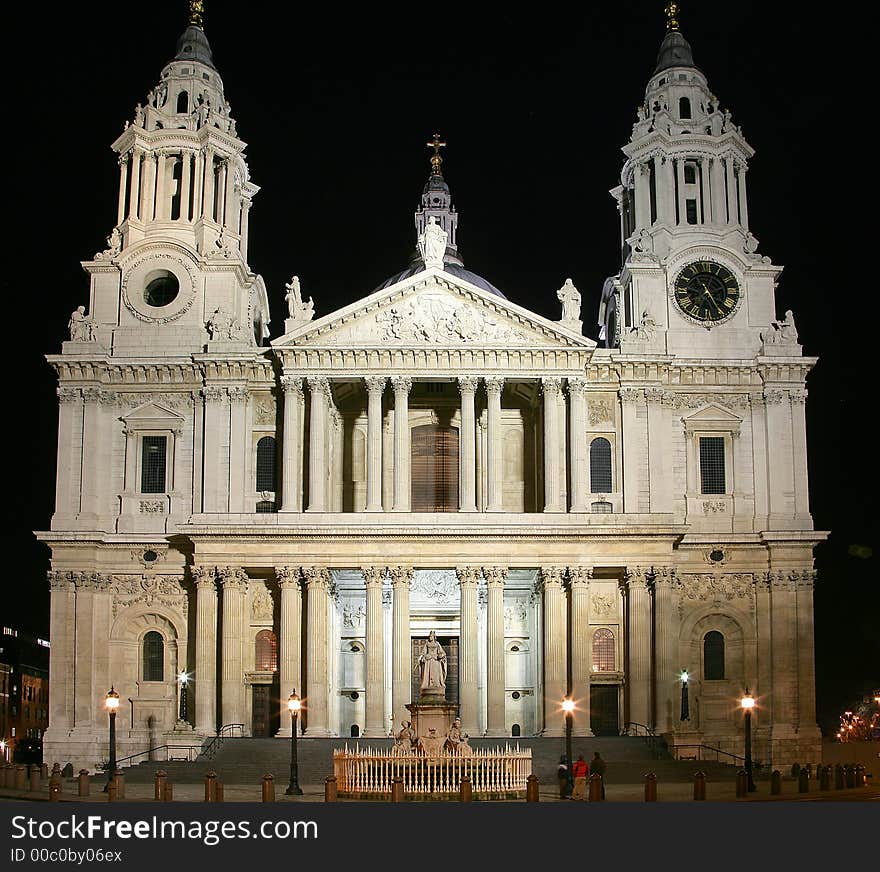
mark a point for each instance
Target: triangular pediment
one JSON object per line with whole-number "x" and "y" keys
{"x": 151, "y": 413}
{"x": 713, "y": 414}
{"x": 435, "y": 309}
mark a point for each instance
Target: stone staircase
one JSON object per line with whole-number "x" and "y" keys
{"x": 246, "y": 761}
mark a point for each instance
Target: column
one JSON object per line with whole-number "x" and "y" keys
{"x": 185, "y": 184}
{"x": 233, "y": 583}
{"x": 705, "y": 215}
{"x": 667, "y": 691}
{"x": 581, "y": 647}
{"x": 732, "y": 211}
{"x": 206, "y": 650}
{"x": 289, "y": 643}
{"x": 402, "y": 486}
{"x": 123, "y": 187}
{"x": 238, "y": 448}
{"x": 663, "y": 185}
{"x": 468, "y": 578}
{"x": 375, "y": 388}
{"x": 216, "y": 423}
{"x": 220, "y": 196}
{"x": 659, "y": 432}
{"x": 401, "y": 666}
{"x": 806, "y": 694}
{"x": 70, "y": 410}
{"x": 337, "y": 479}
{"x": 134, "y": 196}
{"x": 317, "y": 580}
{"x": 319, "y": 390}
{"x": 245, "y": 215}
{"x": 743, "y": 199}
{"x": 62, "y": 663}
{"x": 716, "y": 179}
{"x": 798, "y": 399}
{"x": 208, "y": 186}
{"x": 639, "y": 633}
{"x": 197, "y": 185}
{"x": 494, "y": 446}
{"x": 85, "y": 691}
{"x": 552, "y": 496}
{"x": 496, "y": 680}
{"x": 291, "y": 458}
{"x": 161, "y": 187}
{"x": 633, "y": 434}
{"x": 555, "y": 650}
{"x": 784, "y": 660}
{"x": 578, "y": 444}
{"x": 230, "y": 213}
{"x": 375, "y": 683}
{"x": 467, "y": 448}
{"x": 679, "y": 175}
{"x": 643, "y": 195}
{"x": 780, "y": 470}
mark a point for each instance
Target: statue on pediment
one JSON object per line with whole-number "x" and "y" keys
{"x": 432, "y": 244}
{"x": 570, "y": 298}
{"x": 299, "y": 312}
{"x": 80, "y": 325}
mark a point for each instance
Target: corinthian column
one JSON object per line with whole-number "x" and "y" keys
{"x": 639, "y": 632}
{"x": 401, "y": 664}
{"x": 552, "y": 495}
{"x": 375, "y": 721}
{"x": 290, "y": 643}
{"x": 467, "y": 452}
{"x": 234, "y": 584}
{"x": 317, "y": 579}
{"x": 666, "y": 633}
{"x": 495, "y": 464}
{"x": 291, "y": 463}
{"x": 375, "y": 388}
{"x": 468, "y": 577}
{"x": 402, "y": 487}
{"x": 206, "y": 650}
{"x": 578, "y": 443}
{"x": 555, "y": 651}
{"x": 319, "y": 388}
{"x": 495, "y": 713}
{"x": 581, "y": 645}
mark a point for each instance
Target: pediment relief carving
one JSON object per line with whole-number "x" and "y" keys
{"x": 714, "y": 414}
{"x": 152, "y": 412}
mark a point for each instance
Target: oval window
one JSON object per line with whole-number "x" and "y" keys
{"x": 161, "y": 289}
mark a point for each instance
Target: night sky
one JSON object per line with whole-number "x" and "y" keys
{"x": 336, "y": 106}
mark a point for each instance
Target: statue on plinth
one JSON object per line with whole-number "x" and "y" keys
{"x": 454, "y": 738}
{"x": 432, "y": 668}
{"x": 406, "y": 740}
{"x": 432, "y": 244}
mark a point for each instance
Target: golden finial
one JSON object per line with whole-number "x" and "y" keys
{"x": 196, "y": 11}
{"x": 436, "y": 158}
{"x": 672, "y": 10}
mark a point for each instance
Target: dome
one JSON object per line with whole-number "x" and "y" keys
{"x": 675, "y": 51}
{"x": 452, "y": 268}
{"x": 193, "y": 46}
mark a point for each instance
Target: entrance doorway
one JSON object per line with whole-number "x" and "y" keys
{"x": 450, "y": 646}
{"x": 604, "y": 720}
{"x": 264, "y": 711}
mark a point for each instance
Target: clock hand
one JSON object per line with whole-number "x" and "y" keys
{"x": 707, "y": 293}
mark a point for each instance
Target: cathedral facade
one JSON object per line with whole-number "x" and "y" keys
{"x": 237, "y": 518}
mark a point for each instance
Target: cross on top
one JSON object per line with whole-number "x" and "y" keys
{"x": 436, "y": 158}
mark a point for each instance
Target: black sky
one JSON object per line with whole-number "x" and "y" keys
{"x": 535, "y": 103}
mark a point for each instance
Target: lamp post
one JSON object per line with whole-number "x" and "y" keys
{"x": 111, "y": 702}
{"x": 568, "y": 708}
{"x": 293, "y": 704}
{"x": 181, "y": 709}
{"x": 685, "y": 703}
{"x": 748, "y": 703}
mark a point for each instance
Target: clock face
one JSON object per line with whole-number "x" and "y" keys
{"x": 706, "y": 291}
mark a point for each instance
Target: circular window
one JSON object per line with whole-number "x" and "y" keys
{"x": 162, "y": 288}
{"x": 354, "y": 695}
{"x": 514, "y": 647}
{"x": 515, "y": 694}
{"x": 150, "y": 556}
{"x": 716, "y": 556}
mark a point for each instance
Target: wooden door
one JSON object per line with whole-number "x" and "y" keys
{"x": 604, "y": 720}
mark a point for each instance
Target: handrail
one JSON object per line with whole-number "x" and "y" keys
{"x": 627, "y": 731}
{"x": 716, "y": 751}
{"x": 216, "y": 743}
{"x": 655, "y": 742}
{"x": 167, "y": 748}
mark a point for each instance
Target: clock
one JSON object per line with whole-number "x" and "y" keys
{"x": 706, "y": 291}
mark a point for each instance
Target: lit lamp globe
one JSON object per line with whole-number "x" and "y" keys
{"x": 568, "y": 706}
{"x": 294, "y": 704}
{"x": 747, "y": 702}
{"x": 112, "y": 701}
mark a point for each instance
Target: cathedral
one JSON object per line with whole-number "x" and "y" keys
{"x": 620, "y": 521}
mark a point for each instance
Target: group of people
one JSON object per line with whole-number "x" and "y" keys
{"x": 573, "y": 777}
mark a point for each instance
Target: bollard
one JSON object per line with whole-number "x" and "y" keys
{"x": 56, "y": 769}
{"x": 34, "y": 779}
{"x": 824, "y": 777}
{"x": 169, "y": 791}
{"x": 803, "y": 781}
{"x": 860, "y": 770}
{"x": 742, "y": 783}
{"x": 596, "y": 787}
{"x": 397, "y": 789}
{"x": 160, "y": 779}
{"x": 330, "y": 789}
{"x": 849, "y": 775}
{"x": 119, "y": 779}
{"x": 67, "y": 771}
{"x": 839, "y": 783}
{"x": 465, "y": 793}
{"x": 44, "y": 772}
{"x": 54, "y": 789}
{"x": 20, "y": 777}
{"x": 699, "y": 786}
{"x": 218, "y": 791}
{"x": 268, "y": 794}
{"x": 775, "y": 783}
{"x": 112, "y": 791}
{"x": 210, "y": 786}
{"x": 650, "y": 787}
{"x": 532, "y": 788}
{"x": 83, "y": 782}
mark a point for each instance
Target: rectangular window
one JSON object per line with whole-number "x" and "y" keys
{"x": 712, "y": 478}
{"x": 691, "y": 211}
{"x": 153, "y": 464}
{"x": 690, "y": 174}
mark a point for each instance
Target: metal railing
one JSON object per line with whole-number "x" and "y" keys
{"x": 656, "y": 744}
{"x": 227, "y": 731}
{"x": 707, "y": 752}
{"x": 186, "y": 753}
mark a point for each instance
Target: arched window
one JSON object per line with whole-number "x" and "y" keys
{"x": 516, "y": 730}
{"x": 434, "y": 469}
{"x": 603, "y": 650}
{"x": 600, "y": 466}
{"x": 713, "y": 656}
{"x": 684, "y": 108}
{"x": 265, "y": 652}
{"x": 154, "y": 657}
{"x": 266, "y": 464}
{"x": 182, "y": 102}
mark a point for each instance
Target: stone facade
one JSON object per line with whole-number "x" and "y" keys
{"x": 572, "y": 518}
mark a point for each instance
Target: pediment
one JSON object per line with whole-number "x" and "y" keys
{"x": 712, "y": 414}
{"x": 153, "y": 415}
{"x": 433, "y": 309}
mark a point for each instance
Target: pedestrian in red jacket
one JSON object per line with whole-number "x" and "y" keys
{"x": 581, "y": 772}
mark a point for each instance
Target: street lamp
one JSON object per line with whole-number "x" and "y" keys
{"x": 748, "y": 703}
{"x": 111, "y": 702}
{"x": 181, "y": 711}
{"x": 685, "y": 703}
{"x": 3, "y": 750}
{"x": 568, "y": 708}
{"x": 293, "y": 704}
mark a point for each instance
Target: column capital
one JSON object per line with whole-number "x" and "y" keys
{"x": 468, "y": 383}
{"x": 316, "y": 577}
{"x": 655, "y": 395}
{"x": 287, "y": 576}
{"x": 213, "y": 394}
{"x": 552, "y": 575}
{"x": 580, "y": 575}
{"x": 662, "y": 576}
{"x": 631, "y": 395}
{"x": 468, "y": 576}
{"x": 494, "y": 384}
{"x": 577, "y": 387}
{"x": 635, "y": 576}
{"x": 495, "y": 575}
{"x": 551, "y": 384}
{"x": 375, "y": 383}
{"x": 232, "y": 578}
{"x": 292, "y": 384}
{"x": 204, "y": 577}
{"x": 401, "y": 576}
{"x": 319, "y": 385}
{"x": 402, "y": 384}
{"x": 374, "y": 576}
{"x": 60, "y": 580}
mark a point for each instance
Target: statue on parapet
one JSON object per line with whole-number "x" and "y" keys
{"x": 432, "y": 244}
{"x": 782, "y": 332}
{"x": 570, "y": 298}
{"x": 80, "y": 325}
{"x": 299, "y": 312}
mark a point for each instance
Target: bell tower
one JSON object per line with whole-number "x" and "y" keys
{"x": 692, "y": 281}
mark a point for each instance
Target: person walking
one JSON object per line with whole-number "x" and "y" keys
{"x": 598, "y": 765}
{"x": 563, "y": 774}
{"x": 581, "y": 771}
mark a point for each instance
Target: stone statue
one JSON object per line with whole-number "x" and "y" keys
{"x": 221, "y": 325}
{"x": 454, "y": 737}
{"x": 299, "y": 312}
{"x": 782, "y": 332}
{"x": 432, "y": 667}
{"x": 80, "y": 325}
{"x": 161, "y": 95}
{"x": 139, "y": 115}
{"x": 647, "y": 327}
{"x": 432, "y": 244}
{"x": 406, "y": 739}
{"x": 570, "y": 298}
